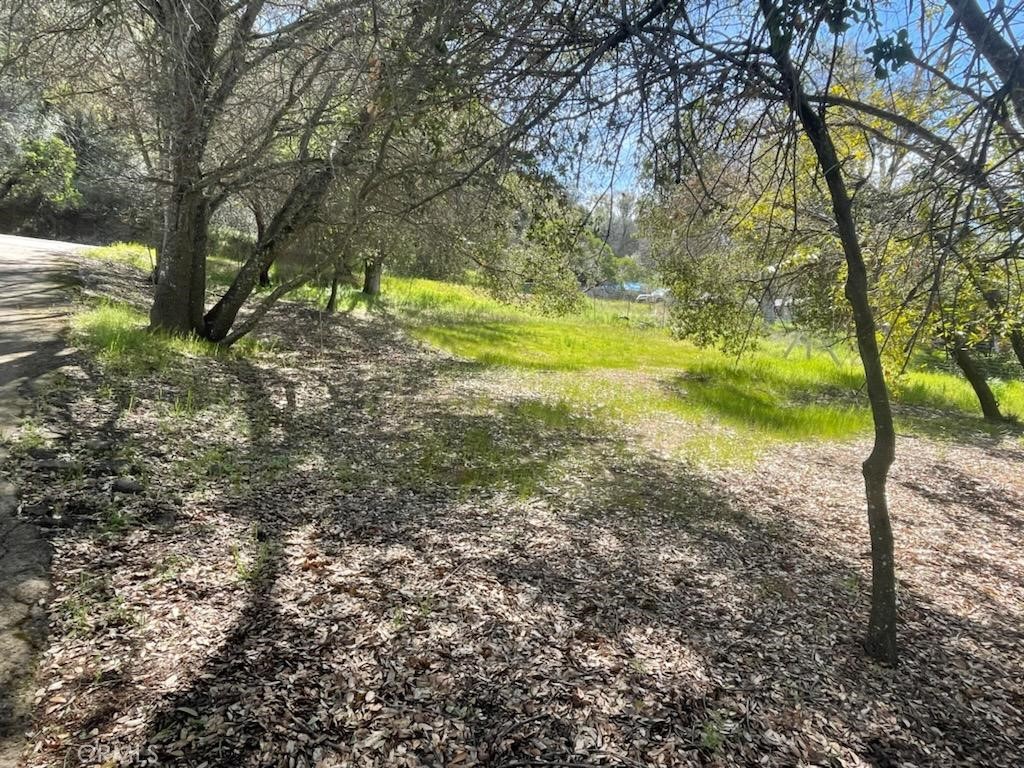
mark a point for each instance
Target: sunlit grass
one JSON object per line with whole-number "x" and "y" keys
{"x": 117, "y": 335}
{"x": 220, "y": 270}
{"x": 936, "y": 389}
{"x": 135, "y": 254}
{"x": 613, "y": 360}
{"x": 416, "y": 297}
{"x": 616, "y": 362}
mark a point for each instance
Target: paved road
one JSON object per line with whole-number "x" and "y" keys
{"x": 33, "y": 306}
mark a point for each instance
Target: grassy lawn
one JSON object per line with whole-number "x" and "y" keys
{"x": 116, "y": 332}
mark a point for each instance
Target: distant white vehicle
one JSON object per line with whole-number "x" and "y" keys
{"x": 656, "y": 296}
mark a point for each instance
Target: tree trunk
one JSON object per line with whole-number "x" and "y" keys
{"x": 189, "y": 34}
{"x": 1004, "y": 59}
{"x": 372, "y": 272}
{"x": 261, "y": 231}
{"x": 295, "y": 213}
{"x": 1017, "y": 342}
{"x": 977, "y": 380}
{"x": 180, "y": 294}
{"x": 332, "y": 300}
{"x": 880, "y": 642}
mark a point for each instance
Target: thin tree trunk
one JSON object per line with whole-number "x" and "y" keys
{"x": 976, "y": 378}
{"x": 372, "y": 272}
{"x": 332, "y": 300}
{"x": 261, "y": 230}
{"x": 880, "y": 642}
{"x": 1017, "y": 342}
{"x": 247, "y": 324}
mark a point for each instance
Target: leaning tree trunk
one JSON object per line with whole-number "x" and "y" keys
{"x": 880, "y": 642}
{"x": 292, "y": 216}
{"x": 1000, "y": 54}
{"x": 976, "y": 378}
{"x": 372, "y": 272}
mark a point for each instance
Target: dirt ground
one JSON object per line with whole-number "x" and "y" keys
{"x": 354, "y": 550}
{"x": 33, "y": 305}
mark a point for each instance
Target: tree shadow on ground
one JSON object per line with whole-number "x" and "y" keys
{"x": 30, "y": 309}
{"x": 965, "y": 495}
{"x": 512, "y": 646}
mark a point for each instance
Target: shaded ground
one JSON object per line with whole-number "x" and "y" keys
{"x": 353, "y": 550}
{"x": 33, "y": 306}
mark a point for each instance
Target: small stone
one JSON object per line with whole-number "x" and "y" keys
{"x": 55, "y": 465}
{"x": 35, "y": 511}
{"x": 31, "y": 590}
{"x": 127, "y": 485}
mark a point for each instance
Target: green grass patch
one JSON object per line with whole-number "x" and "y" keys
{"x": 933, "y": 389}
{"x": 617, "y": 361}
{"x": 134, "y": 254}
{"x": 220, "y": 270}
{"x": 118, "y": 335}
{"x": 613, "y": 361}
